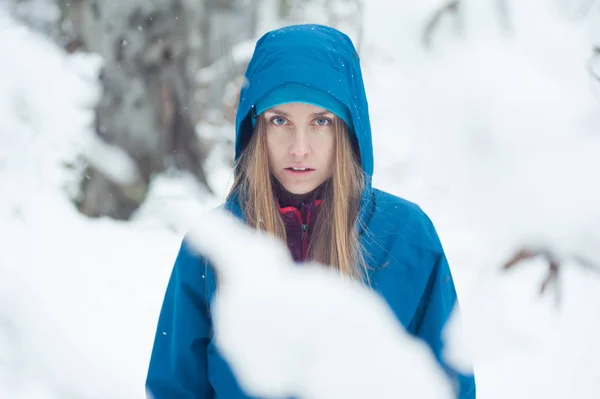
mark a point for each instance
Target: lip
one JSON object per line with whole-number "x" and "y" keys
{"x": 299, "y": 172}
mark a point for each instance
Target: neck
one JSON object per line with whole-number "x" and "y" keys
{"x": 287, "y": 198}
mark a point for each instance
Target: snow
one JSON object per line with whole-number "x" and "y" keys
{"x": 73, "y": 292}
{"x": 493, "y": 132}
{"x": 301, "y": 343}
{"x": 498, "y": 133}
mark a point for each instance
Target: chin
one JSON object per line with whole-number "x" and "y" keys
{"x": 295, "y": 190}
{"x": 299, "y": 188}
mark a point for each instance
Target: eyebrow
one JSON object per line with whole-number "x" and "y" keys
{"x": 283, "y": 113}
{"x": 278, "y": 111}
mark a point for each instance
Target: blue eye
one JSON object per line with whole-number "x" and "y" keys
{"x": 323, "y": 121}
{"x": 278, "y": 120}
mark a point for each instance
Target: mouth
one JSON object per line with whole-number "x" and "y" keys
{"x": 297, "y": 171}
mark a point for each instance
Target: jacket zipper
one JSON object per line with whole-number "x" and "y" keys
{"x": 304, "y": 240}
{"x": 304, "y": 228}
{"x": 304, "y": 237}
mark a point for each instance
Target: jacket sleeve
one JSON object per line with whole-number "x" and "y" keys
{"x": 178, "y": 364}
{"x": 437, "y": 302}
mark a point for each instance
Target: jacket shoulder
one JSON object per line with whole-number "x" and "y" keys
{"x": 397, "y": 215}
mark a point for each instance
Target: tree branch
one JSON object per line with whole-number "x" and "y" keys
{"x": 554, "y": 266}
{"x": 451, "y": 7}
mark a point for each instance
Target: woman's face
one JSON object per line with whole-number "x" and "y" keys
{"x": 300, "y": 142}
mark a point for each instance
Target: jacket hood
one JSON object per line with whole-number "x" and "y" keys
{"x": 316, "y": 56}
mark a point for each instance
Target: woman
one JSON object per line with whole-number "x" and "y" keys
{"x": 303, "y": 173}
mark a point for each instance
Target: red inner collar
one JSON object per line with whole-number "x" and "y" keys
{"x": 291, "y": 208}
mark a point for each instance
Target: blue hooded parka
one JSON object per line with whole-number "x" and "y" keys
{"x": 407, "y": 264}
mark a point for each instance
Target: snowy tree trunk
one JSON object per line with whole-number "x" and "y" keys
{"x": 227, "y": 24}
{"x": 151, "y": 51}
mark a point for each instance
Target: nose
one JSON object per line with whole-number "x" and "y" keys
{"x": 300, "y": 147}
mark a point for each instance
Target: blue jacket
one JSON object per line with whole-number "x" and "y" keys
{"x": 406, "y": 259}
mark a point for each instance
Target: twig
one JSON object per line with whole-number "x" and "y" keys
{"x": 554, "y": 266}
{"x": 503, "y": 11}
{"x": 586, "y": 263}
{"x": 451, "y": 7}
{"x": 594, "y": 63}
{"x": 585, "y": 7}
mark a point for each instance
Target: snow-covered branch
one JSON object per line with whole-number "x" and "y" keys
{"x": 305, "y": 331}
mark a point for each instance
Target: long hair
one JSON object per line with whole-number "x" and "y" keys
{"x": 335, "y": 240}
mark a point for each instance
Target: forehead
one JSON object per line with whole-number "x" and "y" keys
{"x": 297, "y": 109}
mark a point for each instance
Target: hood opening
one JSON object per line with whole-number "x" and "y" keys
{"x": 318, "y": 57}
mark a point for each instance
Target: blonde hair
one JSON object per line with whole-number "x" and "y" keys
{"x": 335, "y": 240}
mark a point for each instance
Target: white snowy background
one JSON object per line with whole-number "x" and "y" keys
{"x": 495, "y": 133}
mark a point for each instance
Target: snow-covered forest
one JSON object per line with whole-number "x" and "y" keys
{"x": 116, "y": 133}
